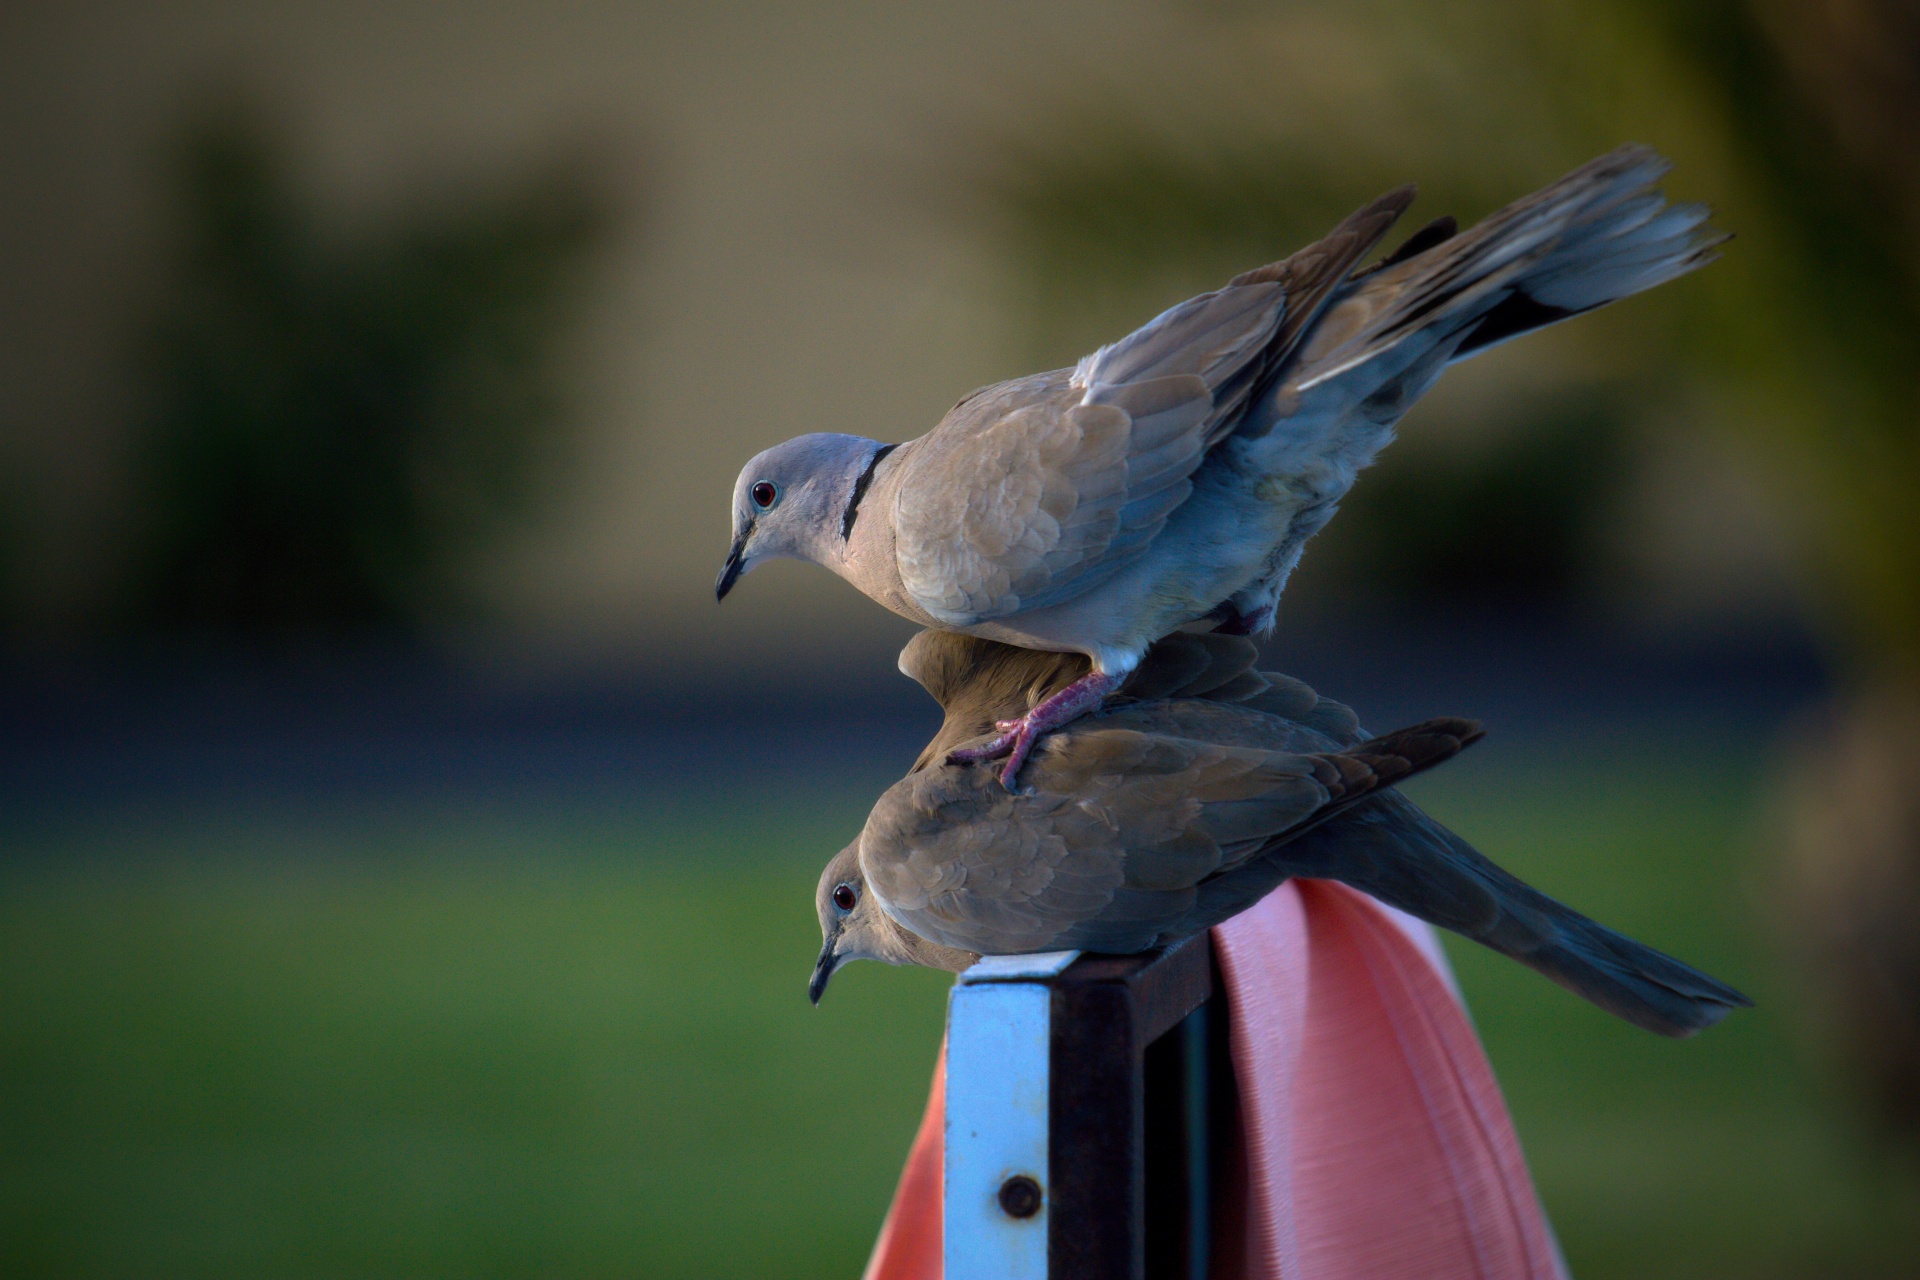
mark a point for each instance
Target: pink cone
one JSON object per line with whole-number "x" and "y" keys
{"x": 1377, "y": 1142}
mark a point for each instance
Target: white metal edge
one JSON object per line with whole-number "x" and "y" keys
{"x": 1038, "y": 964}
{"x": 998, "y": 1044}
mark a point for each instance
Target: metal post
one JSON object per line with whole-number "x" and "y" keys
{"x": 1079, "y": 1115}
{"x": 999, "y": 1032}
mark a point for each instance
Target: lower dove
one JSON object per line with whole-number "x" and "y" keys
{"x": 1176, "y": 474}
{"x": 1202, "y": 787}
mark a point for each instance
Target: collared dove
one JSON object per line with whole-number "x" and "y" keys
{"x": 1176, "y": 474}
{"x": 1201, "y": 788}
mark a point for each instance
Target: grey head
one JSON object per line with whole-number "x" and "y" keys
{"x": 853, "y": 927}
{"x": 797, "y": 501}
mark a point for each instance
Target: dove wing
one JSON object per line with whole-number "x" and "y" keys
{"x": 1034, "y": 491}
{"x": 1126, "y": 834}
{"x": 1110, "y": 849}
{"x": 1028, "y": 497}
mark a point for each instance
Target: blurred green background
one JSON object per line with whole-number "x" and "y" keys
{"x": 406, "y": 870}
{"x": 422, "y": 1046}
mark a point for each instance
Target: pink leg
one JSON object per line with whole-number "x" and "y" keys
{"x": 1018, "y": 736}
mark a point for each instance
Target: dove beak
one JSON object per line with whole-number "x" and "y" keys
{"x": 822, "y": 970}
{"x": 730, "y": 571}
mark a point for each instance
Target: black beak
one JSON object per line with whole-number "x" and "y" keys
{"x": 822, "y": 970}
{"x": 730, "y": 571}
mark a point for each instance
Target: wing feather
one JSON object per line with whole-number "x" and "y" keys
{"x": 1038, "y": 490}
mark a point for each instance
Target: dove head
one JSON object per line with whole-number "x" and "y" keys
{"x": 853, "y": 927}
{"x": 796, "y": 500}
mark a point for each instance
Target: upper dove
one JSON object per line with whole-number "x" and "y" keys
{"x": 1175, "y": 475}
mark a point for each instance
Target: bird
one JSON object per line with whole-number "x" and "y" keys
{"x": 1176, "y": 475}
{"x": 1201, "y": 787}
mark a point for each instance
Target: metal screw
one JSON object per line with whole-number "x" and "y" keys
{"x": 1020, "y": 1196}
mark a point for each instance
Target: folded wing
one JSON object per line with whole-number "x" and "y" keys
{"x": 1124, "y": 828}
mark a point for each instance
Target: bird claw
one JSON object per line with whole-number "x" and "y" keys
{"x": 993, "y": 750}
{"x": 1011, "y": 746}
{"x": 1020, "y": 743}
{"x": 1017, "y": 736}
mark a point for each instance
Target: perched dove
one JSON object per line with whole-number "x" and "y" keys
{"x": 1176, "y": 474}
{"x": 1201, "y": 788}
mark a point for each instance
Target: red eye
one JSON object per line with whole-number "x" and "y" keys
{"x": 844, "y": 896}
{"x": 763, "y": 493}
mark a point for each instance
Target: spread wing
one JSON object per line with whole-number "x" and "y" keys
{"x": 1112, "y": 850}
{"x": 1034, "y": 491}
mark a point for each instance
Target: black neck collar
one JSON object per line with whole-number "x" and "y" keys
{"x": 860, "y": 490}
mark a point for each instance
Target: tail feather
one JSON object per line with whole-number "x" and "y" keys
{"x": 1599, "y": 234}
{"x": 1592, "y": 271}
{"x": 1626, "y": 978}
{"x": 1391, "y": 850}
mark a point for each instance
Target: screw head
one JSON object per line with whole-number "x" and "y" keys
{"x": 1020, "y": 1196}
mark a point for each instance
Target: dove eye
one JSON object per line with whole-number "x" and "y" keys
{"x": 764, "y": 494}
{"x": 844, "y": 896}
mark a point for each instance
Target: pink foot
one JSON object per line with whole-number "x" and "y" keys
{"x": 1018, "y": 736}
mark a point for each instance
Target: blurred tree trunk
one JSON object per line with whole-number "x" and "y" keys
{"x": 1824, "y": 97}
{"x": 1851, "y": 898}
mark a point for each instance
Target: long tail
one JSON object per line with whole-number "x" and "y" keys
{"x": 1390, "y": 849}
{"x": 1599, "y": 234}
{"x": 1602, "y": 233}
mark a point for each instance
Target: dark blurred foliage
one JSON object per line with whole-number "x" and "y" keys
{"x": 1821, "y": 102}
{"x": 1796, "y": 117}
{"x": 13, "y": 555}
{"x": 1851, "y": 900}
{"x": 340, "y": 419}
{"x": 1824, "y": 100}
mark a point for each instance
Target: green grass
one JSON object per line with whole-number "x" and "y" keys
{"x": 600, "y": 1065}
{"x": 489, "y": 1045}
